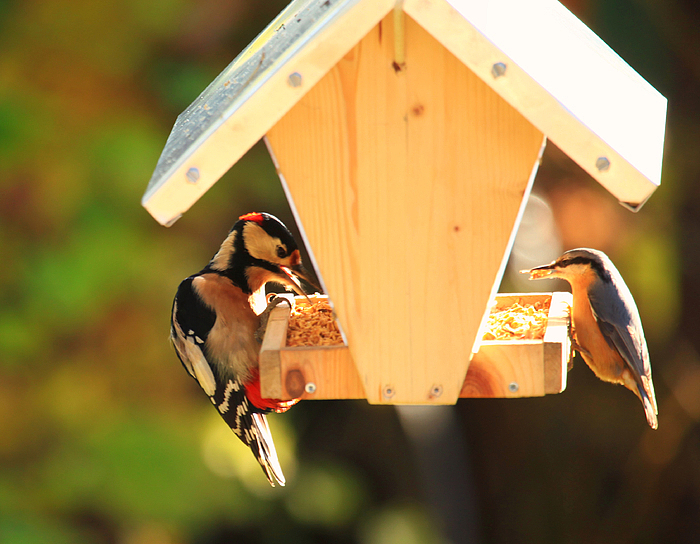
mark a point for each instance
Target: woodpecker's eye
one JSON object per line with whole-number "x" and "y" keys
{"x": 281, "y": 253}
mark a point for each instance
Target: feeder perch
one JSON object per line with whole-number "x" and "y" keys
{"x": 407, "y": 135}
{"x": 515, "y": 368}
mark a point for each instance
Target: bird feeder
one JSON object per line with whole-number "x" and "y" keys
{"x": 407, "y": 135}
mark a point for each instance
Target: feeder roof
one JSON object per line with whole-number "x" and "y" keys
{"x": 536, "y": 55}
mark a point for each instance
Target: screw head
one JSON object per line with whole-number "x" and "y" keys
{"x": 310, "y": 388}
{"x": 513, "y": 387}
{"x": 388, "y": 391}
{"x": 602, "y": 164}
{"x": 435, "y": 391}
{"x": 498, "y": 69}
{"x": 294, "y": 79}
{"x": 192, "y": 175}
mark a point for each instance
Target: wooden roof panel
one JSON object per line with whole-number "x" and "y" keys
{"x": 251, "y": 94}
{"x": 558, "y": 74}
{"x": 564, "y": 79}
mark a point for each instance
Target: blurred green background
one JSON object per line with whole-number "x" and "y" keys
{"x": 105, "y": 439}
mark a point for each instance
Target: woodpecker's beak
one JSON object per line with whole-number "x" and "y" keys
{"x": 540, "y": 272}
{"x": 295, "y": 273}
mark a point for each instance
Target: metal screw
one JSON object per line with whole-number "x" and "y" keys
{"x": 192, "y": 175}
{"x": 436, "y": 391}
{"x": 602, "y": 164}
{"x": 294, "y": 79}
{"x": 310, "y": 388}
{"x": 388, "y": 391}
{"x": 498, "y": 69}
{"x": 513, "y": 387}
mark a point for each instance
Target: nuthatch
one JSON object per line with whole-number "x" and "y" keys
{"x": 607, "y": 330}
{"x": 213, "y": 327}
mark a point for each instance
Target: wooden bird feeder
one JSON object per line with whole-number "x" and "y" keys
{"x": 407, "y": 135}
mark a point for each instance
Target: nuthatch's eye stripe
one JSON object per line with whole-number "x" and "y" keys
{"x": 576, "y": 260}
{"x": 595, "y": 264}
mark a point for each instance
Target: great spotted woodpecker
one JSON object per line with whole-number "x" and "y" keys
{"x": 213, "y": 327}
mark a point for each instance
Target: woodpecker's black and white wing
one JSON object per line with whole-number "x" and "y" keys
{"x": 191, "y": 322}
{"x": 621, "y": 326}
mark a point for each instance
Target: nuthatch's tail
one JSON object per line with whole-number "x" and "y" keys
{"x": 649, "y": 411}
{"x": 645, "y": 392}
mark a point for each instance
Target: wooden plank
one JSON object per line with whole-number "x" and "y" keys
{"x": 500, "y": 369}
{"x": 312, "y": 373}
{"x": 557, "y": 343}
{"x": 269, "y": 360}
{"x": 564, "y": 79}
{"x": 407, "y": 184}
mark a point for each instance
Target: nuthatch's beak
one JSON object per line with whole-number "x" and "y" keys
{"x": 540, "y": 272}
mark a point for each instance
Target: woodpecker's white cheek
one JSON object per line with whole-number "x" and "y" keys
{"x": 260, "y": 244}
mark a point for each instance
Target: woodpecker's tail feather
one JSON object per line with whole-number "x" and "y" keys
{"x": 266, "y": 453}
{"x": 250, "y": 425}
{"x": 252, "y": 428}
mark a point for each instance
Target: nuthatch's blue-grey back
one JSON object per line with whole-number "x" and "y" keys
{"x": 607, "y": 330}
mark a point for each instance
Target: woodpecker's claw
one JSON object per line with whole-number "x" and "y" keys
{"x": 272, "y": 302}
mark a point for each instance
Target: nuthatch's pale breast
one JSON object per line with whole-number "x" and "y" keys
{"x": 607, "y": 329}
